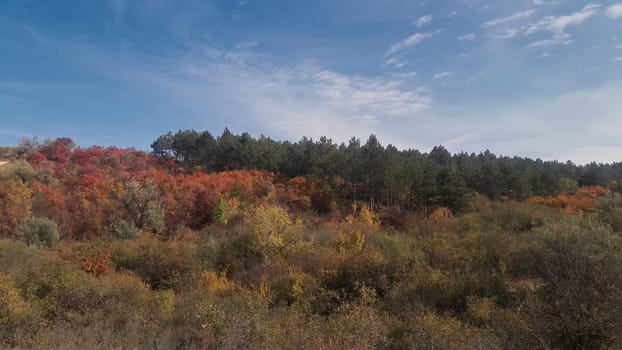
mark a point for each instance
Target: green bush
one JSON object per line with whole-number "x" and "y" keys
{"x": 125, "y": 230}
{"x": 38, "y": 231}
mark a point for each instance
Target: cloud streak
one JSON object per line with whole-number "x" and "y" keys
{"x": 511, "y": 18}
{"x": 410, "y": 41}
{"x": 467, "y": 37}
{"x": 557, "y": 26}
{"x": 423, "y": 21}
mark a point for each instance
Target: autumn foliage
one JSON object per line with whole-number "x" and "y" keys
{"x": 107, "y": 248}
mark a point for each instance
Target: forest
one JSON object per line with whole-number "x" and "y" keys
{"x": 235, "y": 242}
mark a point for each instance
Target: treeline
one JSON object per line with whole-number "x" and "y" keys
{"x": 384, "y": 175}
{"x": 107, "y": 248}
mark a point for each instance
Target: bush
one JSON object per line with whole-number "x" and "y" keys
{"x": 125, "y": 230}
{"x": 579, "y": 301}
{"x": 17, "y": 318}
{"x": 38, "y": 231}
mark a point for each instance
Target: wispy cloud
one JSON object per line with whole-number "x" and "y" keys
{"x": 396, "y": 62}
{"x": 556, "y": 39}
{"x": 508, "y": 33}
{"x": 296, "y": 100}
{"x": 412, "y": 40}
{"x": 557, "y": 26}
{"x": 614, "y": 11}
{"x": 442, "y": 75}
{"x": 467, "y": 37}
{"x": 542, "y": 2}
{"x": 563, "y": 127}
{"x": 407, "y": 75}
{"x": 423, "y": 20}
{"x": 511, "y": 18}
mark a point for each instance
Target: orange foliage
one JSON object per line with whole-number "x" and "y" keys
{"x": 584, "y": 200}
{"x": 441, "y": 215}
{"x": 97, "y": 265}
{"x": 296, "y": 193}
{"x": 82, "y": 188}
{"x": 15, "y": 204}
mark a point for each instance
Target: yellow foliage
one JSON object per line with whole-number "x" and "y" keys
{"x": 368, "y": 217}
{"x": 165, "y": 301}
{"x": 17, "y": 318}
{"x": 213, "y": 282}
{"x": 480, "y": 308}
{"x": 273, "y": 224}
{"x": 353, "y": 241}
{"x": 11, "y": 303}
{"x": 340, "y": 243}
{"x": 288, "y": 288}
{"x": 16, "y": 204}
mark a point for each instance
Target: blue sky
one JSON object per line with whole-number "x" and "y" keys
{"x": 537, "y": 78}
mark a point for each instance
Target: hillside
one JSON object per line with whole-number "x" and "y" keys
{"x": 234, "y": 242}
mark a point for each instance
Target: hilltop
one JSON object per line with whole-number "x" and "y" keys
{"x": 235, "y": 242}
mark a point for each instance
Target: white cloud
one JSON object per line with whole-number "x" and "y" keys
{"x": 467, "y": 37}
{"x": 508, "y": 34}
{"x": 619, "y": 59}
{"x": 412, "y": 40}
{"x": 563, "y": 127}
{"x": 556, "y": 39}
{"x": 297, "y": 100}
{"x": 407, "y": 75}
{"x": 558, "y": 24}
{"x": 396, "y": 62}
{"x": 452, "y": 14}
{"x": 614, "y": 11}
{"x": 514, "y": 17}
{"x": 542, "y": 2}
{"x": 423, "y": 20}
{"x": 442, "y": 75}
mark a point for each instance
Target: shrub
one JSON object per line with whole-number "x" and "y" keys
{"x": 579, "y": 303}
{"x": 125, "y": 230}
{"x": 17, "y": 318}
{"x": 38, "y": 231}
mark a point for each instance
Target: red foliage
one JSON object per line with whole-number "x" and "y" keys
{"x": 59, "y": 150}
{"x": 97, "y": 265}
{"x": 83, "y": 194}
{"x": 35, "y": 158}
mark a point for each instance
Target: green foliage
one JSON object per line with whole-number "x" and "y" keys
{"x": 160, "y": 265}
{"x": 219, "y": 214}
{"x": 125, "y": 230}
{"x": 611, "y": 211}
{"x": 143, "y": 205}
{"x": 38, "y": 231}
{"x": 17, "y": 317}
{"x": 580, "y": 299}
{"x": 419, "y": 262}
{"x": 20, "y": 169}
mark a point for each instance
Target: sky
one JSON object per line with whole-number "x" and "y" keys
{"x": 534, "y": 78}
